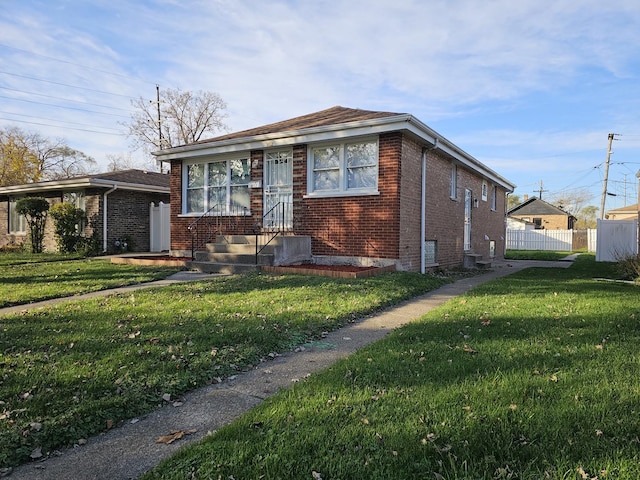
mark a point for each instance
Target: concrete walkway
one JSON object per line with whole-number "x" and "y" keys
{"x": 130, "y": 449}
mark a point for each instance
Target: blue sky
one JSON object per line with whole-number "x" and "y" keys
{"x": 530, "y": 88}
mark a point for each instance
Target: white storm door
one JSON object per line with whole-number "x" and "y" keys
{"x": 278, "y": 190}
{"x": 467, "y": 220}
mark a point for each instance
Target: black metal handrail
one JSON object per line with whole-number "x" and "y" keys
{"x": 201, "y": 231}
{"x": 275, "y": 223}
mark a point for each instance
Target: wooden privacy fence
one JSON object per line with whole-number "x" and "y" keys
{"x": 555, "y": 240}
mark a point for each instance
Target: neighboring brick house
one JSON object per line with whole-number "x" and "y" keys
{"x": 543, "y": 215}
{"x": 116, "y": 203}
{"x": 367, "y": 187}
{"x": 630, "y": 212}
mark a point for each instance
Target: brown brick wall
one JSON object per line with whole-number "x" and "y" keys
{"x": 549, "y": 222}
{"x": 410, "y": 199}
{"x": 353, "y": 226}
{"x": 445, "y": 216}
{"x": 128, "y": 218}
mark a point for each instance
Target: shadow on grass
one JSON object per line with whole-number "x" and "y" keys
{"x": 531, "y": 376}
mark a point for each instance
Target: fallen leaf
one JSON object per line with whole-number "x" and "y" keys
{"x": 316, "y": 475}
{"x": 173, "y": 436}
{"x": 109, "y": 424}
{"x": 599, "y": 433}
{"x": 166, "y": 397}
{"x": 554, "y": 378}
{"x": 599, "y": 347}
{"x": 486, "y": 322}
{"x": 513, "y": 407}
{"x": 468, "y": 349}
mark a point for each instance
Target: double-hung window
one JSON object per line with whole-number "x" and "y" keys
{"x": 349, "y": 168}
{"x": 17, "y": 222}
{"x": 221, "y": 186}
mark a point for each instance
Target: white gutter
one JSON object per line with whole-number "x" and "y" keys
{"x": 104, "y": 217}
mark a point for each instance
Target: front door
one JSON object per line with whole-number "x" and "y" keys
{"x": 278, "y": 190}
{"x": 467, "y": 220}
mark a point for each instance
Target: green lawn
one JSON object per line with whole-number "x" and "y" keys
{"x": 534, "y": 255}
{"x": 31, "y": 278}
{"x": 72, "y": 370}
{"x": 532, "y": 376}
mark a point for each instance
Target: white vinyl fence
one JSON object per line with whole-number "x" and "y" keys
{"x": 558, "y": 240}
{"x": 159, "y": 228}
{"x": 617, "y": 239}
{"x": 554, "y": 240}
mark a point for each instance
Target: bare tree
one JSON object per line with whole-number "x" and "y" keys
{"x": 122, "y": 161}
{"x": 185, "y": 117}
{"x": 572, "y": 201}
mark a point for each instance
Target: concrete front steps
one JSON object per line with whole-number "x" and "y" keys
{"x": 231, "y": 254}
{"x": 474, "y": 260}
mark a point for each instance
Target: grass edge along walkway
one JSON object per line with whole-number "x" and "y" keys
{"x": 131, "y": 450}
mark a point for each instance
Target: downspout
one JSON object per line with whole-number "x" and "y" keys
{"x": 423, "y": 205}
{"x": 104, "y": 217}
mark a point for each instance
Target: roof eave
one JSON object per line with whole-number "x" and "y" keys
{"x": 276, "y": 139}
{"x": 80, "y": 183}
{"x": 392, "y": 123}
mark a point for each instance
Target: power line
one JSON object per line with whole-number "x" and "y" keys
{"x": 62, "y": 98}
{"x": 76, "y": 64}
{"x": 67, "y": 85}
{"x": 62, "y": 106}
{"x": 68, "y": 128}
{"x": 57, "y": 120}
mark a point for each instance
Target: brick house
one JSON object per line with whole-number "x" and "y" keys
{"x": 116, "y": 203}
{"x": 365, "y": 187}
{"x": 542, "y": 214}
{"x": 629, "y": 212}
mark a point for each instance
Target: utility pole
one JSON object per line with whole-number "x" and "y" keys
{"x": 159, "y": 118}
{"x": 606, "y": 176}
{"x": 540, "y": 190}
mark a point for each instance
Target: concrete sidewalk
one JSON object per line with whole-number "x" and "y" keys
{"x": 130, "y": 449}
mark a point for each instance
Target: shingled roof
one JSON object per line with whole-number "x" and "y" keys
{"x": 536, "y": 206}
{"x": 331, "y": 116}
{"x": 126, "y": 179}
{"x": 139, "y": 177}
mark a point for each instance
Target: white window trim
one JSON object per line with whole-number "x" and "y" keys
{"x": 343, "y": 191}
{"x": 206, "y": 162}
{"x": 485, "y": 190}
